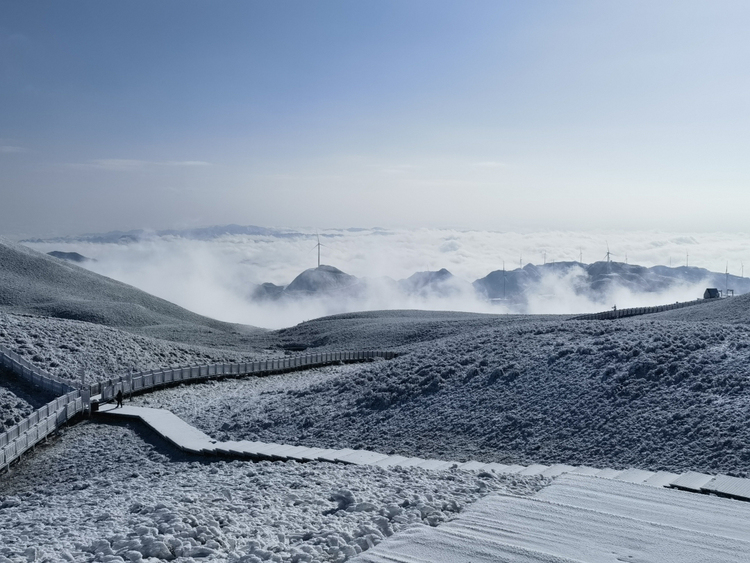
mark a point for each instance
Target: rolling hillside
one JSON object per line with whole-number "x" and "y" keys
{"x": 37, "y": 284}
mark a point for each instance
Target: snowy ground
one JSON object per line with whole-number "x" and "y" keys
{"x": 642, "y": 392}
{"x": 635, "y": 393}
{"x": 63, "y": 346}
{"x": 394, "y": 330}
{"x": 118, "y": 493}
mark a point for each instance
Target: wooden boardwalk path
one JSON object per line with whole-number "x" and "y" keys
{"x": 191, "y": 440}
{"x": 581, "y": 519}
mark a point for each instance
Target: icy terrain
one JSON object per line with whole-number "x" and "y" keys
{"x": 633, "y": 393}
{"x": 111, "y": 493}
{"x": 62, "y": 347}
{"x": 654, "y": 392}
{"x": 732, "y": 310}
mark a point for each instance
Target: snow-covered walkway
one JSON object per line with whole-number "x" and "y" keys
{"x": 190, "y": 439}
{"x": 582, "y": 519}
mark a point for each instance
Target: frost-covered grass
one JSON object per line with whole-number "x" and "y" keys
{"x": 635, "y": 393}
{"x": 63, "y": 346}
{"x": 392, "y": 330}
{"x": 108, "y": 493}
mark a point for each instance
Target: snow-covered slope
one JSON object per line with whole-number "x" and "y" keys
{"x": 32, "y": 282}
{"x": 731, "y": 310}
{"x": 392, "y": 329}
{"x": 63, "y": 347}
{"x": 633, "y": 393}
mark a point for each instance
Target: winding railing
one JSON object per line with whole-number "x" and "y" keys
{"x": 634, "y": 311}
{"x": 75, "y": 398}
{"x": 143, "y": 381}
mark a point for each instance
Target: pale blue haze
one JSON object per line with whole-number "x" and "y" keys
{"x": 486, "y": 115}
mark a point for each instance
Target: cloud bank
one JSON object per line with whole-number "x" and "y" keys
{"x": 217, "y": 277}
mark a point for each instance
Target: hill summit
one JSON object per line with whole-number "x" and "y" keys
{"x": 323, "y": 279}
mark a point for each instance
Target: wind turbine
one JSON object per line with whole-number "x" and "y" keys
{"x": 608, "y": 255}
{"x": 318, "y": 247}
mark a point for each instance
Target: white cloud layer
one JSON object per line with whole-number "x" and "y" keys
{"x": 216, "y": 277}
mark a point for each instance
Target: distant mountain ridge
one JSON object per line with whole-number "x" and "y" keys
{"x": 597, "y": 278}
{"x": 514, "y": 286}
{"x": 202, "y": 233}
{"x": 198, "y": 233}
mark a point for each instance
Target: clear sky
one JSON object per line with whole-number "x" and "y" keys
{"x": 477, "y": 115}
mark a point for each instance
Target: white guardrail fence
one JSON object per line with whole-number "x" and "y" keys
{"x": 76, "y": 399}
{"x": 139, "y": 382}
{"x": 42, "y": 422}
{"x": 632, "y": 312}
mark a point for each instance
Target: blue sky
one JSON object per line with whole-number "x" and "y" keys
{"x": 473, "y": 115}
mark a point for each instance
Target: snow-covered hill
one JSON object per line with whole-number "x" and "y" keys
{"x": 634, "y": 393}
{"x": 598, "y": 280}
{"x": 63, "y": 347}
{"x": 321, "y": 280}
{"x": 731, "y": 310}
{"x": 34, "y": 283}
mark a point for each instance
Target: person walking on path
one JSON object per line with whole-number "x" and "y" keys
{"x": 118, "y": 398}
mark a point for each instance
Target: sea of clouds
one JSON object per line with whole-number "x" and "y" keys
{"x": 216, "y": 277}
